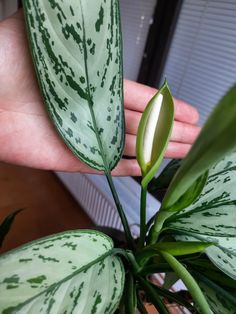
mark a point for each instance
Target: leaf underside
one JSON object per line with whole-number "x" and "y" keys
{"x": 76, "y": 49}
{"x": 71, "y": 272}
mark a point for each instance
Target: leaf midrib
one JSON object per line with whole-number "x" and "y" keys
{"x": 89, "y": 99}
{"x": 52, "y": 286}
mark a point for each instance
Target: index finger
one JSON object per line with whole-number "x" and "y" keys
{"x": 137, "y": 96}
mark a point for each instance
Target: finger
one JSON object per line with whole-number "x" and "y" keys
{"x": 184, "y": 133}
{"x": 138, "y": 95}
{"x": 130, "y": 145}
{"x": 177, "y": 150}
{"x": 132, "y": 119}
{"x": 127, "y": 167}
{"x": 174, "y": 149}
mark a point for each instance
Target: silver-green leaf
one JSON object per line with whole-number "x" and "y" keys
{"x": 76, "y": 49}
{"x": 71, "y": 272}
{"x": 221, "y": 301}
{"x": 222, "y": 254}
{"x": 212, "y": 217}
{"x": 216, "y": 139}
{"x": 214, "y": 211}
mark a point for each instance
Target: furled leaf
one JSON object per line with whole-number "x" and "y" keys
{"x": 215, "y": 140}
{"x": 76, "y": 49}
{"x": 6, "y": 225}
{"x": 220, "y": 300}
{"x": 173, "y": 248}
{"x": 222, "y": 254}
{"x": 71, "y": 272}
{"x": 191, "y": 194}
{"x": 154, "y": 132}
{"x": 212, "y": 216}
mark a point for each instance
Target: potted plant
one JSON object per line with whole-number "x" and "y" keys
{"x": 76, "y": 49}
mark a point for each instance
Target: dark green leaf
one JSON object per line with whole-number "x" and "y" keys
{"x": 6, "y": 225}
{"x": 220, "y": 300}
{"x": 158, "y": 186}
{"x": 169, "y": 280}
{"x": 153, "y": 296}
{"x": 175, "y": 297}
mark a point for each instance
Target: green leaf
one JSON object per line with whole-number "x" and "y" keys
{"x": 205, "y": 267}
{"x": 6, "y": 225}
{"x": 222, "y": 254}
{"x": 215, "y": 140}
{"x": 169, "y": 280}
{"x": 73, "y": 271}
{"x": 191, "y": 194}
{"x": 76, "y": 49}
{"x": 214, "y": 211}
{"x": 211, "y": 218}
{"x": 158, "y": 186}
{"x": 153, "y": 295}
{"x": 154, "y": 132}
{"x": 174, "y": 297}
{"x": 220, "y": 300}
{"x": 130, "y": 296}
{"x": 190, "y": 283}
{"x": 173, "y": 248}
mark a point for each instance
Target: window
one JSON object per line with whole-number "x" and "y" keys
{"x": 201, "y": 64}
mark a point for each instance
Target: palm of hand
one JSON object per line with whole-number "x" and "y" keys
{"x": 28, "y": 138}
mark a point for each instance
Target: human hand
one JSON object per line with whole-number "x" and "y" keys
{"x": 27, "y": 136}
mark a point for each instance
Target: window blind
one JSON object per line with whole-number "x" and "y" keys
{"x": 136, "y": 17}
{"x": 201, "y": 64}
{"x": 7, "y": 7}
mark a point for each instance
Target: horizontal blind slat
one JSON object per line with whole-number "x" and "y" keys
{"x": 201, "y": 64}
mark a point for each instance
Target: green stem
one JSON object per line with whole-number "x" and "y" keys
{"x": 103, "y": 155}
{"x": 136, "y": 268}
{"x": 142, "y": 216}
{"x": 141, "y": 306}
{"x": 158, "y": 225}
{"x": 120, "y": 210}
{"x": 131, "y": 300}
{"x": 153, "y": 296}
{"x": 189, "y": 282}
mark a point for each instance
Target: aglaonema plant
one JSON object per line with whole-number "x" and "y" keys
{"x": 76, "y": 50}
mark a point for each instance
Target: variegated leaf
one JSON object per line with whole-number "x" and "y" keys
{"x": 212, "y": 217}
{"x": 71, "y": 272}
{"x": 214, "y": 211}
{"x": 222, "y": 254}
{"x": 221, "y": 301}
{"x": 76, "y": 49}
{"x": 213, "y": 143}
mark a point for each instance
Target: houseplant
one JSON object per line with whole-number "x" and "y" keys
{"x": 77, "y": 54}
